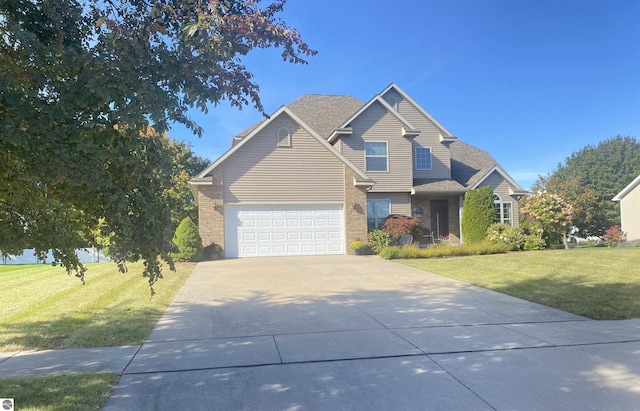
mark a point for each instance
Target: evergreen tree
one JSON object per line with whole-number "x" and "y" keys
{"x": 478, "y": 214}
{"x": 188, "y": 241}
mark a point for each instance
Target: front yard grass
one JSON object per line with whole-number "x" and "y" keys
{"x": 599, "y": 283}
{"x": 72, "y": 392}
{"x": 41, "y": 307}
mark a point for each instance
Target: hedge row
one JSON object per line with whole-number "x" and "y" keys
{"x": 407, "y": 252}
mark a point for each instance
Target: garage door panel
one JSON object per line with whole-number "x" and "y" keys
{"x": 283, "y": 230}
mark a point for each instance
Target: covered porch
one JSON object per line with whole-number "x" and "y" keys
{"x": 438, "y": 205}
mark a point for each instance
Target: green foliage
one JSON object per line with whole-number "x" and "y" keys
{"x": 360, "y": 247}
{"x": 378, "y": 239}
{"x": 533, "y": 242}
{"x": 397, "y": 225}
{"x": 549, "y": 214}
{"x": 511, "y": 237}
{"x": 591, "y": 177}
{"x": 478, "y": 214}
{"x": 188, "y": 241}
{"x": 481, "y": 248}
{"x": 213, "y": 251}
{"x": 83, "y": 84}
{"x": 614, "y": 236}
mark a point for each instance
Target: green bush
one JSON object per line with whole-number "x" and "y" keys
{"x": 188, "y": 241}
{"x": 482, "y": 248}
{"x": 378, "y": 240}
{"x": 360, "y": 247}
{"x": 512, "y": 237}
{"x": 397, "y": 225}
{"x": 533, "y": 242}
{"x": 478, "y": 214}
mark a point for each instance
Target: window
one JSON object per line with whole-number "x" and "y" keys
{"x": 423, "y": 158}
{"x": 377, "y": 211}
{"x": 376, "y": 158}
{"x": 284, "y": 137}
{"x": 393, "y": 102}
{"x": 504, "y": 210}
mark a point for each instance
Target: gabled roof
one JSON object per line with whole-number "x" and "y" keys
{"x": 622, "y": 194}
{"x": 447, "y": 135}
{"x": 362, "y": 178}
{"x": 407, "y": 128}
{"x": 325, "y": 113}
{"x": 470, "y": 166}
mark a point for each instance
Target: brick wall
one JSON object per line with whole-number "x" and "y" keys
{"x": 211, "y": 211}
{"x": 355, "y": 210}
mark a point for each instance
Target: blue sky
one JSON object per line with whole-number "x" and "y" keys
{"x": 528, "y": 81}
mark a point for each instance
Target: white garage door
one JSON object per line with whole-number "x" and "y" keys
{"x": 253, "y": 231}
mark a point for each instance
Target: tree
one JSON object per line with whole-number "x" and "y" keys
{"x": 397, "y": 225}
{"x": 550, "y": 214}
{"x": 184, "y": 165}
{"x": 80, "y": 84}
{"x": 478, "y": 214}
{"x": 591, "y": 177}
{"x": 188, "y": 241}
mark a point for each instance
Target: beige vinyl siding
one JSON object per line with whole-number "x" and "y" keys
{"x": 630, "y": 214}
{"x": 400, "y": 202}
{"x": 429, "y": 137}
{"x": 500, "y": 187}
{"x": 377, "y": 124}
{"x": 262, "y": 173}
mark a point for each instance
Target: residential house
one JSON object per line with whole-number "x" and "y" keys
{"x": 324, "y": 170}
{"x": 629, "y": 199}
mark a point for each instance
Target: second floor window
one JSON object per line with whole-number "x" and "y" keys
{"x": 423, "y": 158}
{"x": 376, "y": 156}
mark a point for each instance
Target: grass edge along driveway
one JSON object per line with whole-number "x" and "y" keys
{"x": 41, "y": 307}
{"x": 599, "y": 283}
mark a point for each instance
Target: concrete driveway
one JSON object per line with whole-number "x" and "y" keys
{"x": 360, "y": 333}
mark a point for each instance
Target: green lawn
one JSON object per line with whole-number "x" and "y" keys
{"x": 41, "y": 307}
{"x": 600, "y": 283}
{"x": 73, "y": 392}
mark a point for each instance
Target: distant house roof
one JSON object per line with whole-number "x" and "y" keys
{"x": 627, "y": 189}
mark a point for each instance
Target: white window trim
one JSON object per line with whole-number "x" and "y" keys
{"x": 374, "y": 156}
{"x": 498, "y": 201}
{"x": 288, "y": 139}
{"x": 393, "y": 102}
{"x": 415, "y": 157}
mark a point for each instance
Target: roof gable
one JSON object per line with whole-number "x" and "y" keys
{"x": 361, "y": 177}
{"x": 629, "y": 188}
{"x": 447, "y": 134}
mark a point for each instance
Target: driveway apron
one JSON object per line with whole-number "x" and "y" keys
{"x": 360, "y": 333}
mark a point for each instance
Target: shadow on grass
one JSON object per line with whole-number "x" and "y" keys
{"x": 113, "y": 327}
{"x": 576, "y": 294}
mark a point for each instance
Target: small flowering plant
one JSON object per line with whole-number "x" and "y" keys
{"x": 613, "y": 236}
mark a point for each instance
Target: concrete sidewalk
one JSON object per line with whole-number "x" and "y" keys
{"x": 357, "y": 333}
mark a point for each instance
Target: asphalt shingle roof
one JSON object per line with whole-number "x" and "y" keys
{"x": 325, "y": 113}
{"x": 468, "y": 163}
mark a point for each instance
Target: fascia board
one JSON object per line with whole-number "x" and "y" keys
{"x": 519, "y": 190}
{"x": 627, "y": 189}
{"x": 242, "y": 142}
{"x": 416, "y": 105}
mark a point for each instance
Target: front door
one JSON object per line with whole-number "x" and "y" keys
{"x": 440, "y": 218}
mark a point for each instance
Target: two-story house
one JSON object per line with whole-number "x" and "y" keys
{"x": 324, "y": 170}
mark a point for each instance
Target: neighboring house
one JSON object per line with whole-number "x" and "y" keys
{"x": 629, "y": 199}
{"x": 324, "y": 170}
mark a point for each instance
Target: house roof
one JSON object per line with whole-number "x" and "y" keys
{"x": 622, "y": 194}
{"x": 470, "y": 166}
{"x": 325, "y": 113}
{"x": 437, "y": 185}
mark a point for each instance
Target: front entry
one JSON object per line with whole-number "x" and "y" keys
{"x": 440, "y": 218}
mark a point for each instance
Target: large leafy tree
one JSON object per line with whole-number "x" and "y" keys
{"x": 591, "y": 177}
{"x": 81, "y": 82}
{"x": 550, "y": 215}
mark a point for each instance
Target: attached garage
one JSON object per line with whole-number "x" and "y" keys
{"x": 280, "y": 230}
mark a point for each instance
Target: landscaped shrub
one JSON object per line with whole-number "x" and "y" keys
{"x": 534, "y": 242}
{"x": 613, "y": 236}
{"x": 482, "y": 248}
{"x": 213, "y": 252}
{"x": 512, "y": 237}
{"x": 397, "y": 225}
{"x": 360, "y": 247}
{"x": 478, "y": 214}
{"x": 188, "y": 241}
{"x": 378, "y": 240}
